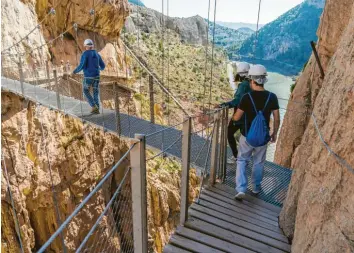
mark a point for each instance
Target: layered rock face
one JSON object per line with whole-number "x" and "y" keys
{"x": 193, "y": 30}
{"x": 318, "y": 214}
{"x": 103, "y": 27}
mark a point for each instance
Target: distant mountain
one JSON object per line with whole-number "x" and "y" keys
{"x": 284, "y": 44}
{"x": 230, "y": 39}
{"x": 136, "y": 2}
{"x": 239, "y": 25}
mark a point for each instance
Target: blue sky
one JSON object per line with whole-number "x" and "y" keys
{"x": 227, "y": 10}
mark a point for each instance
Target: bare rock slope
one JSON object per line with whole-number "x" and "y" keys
{"x": 319, "y": 210}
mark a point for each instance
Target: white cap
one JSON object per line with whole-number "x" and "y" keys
{"x": 243, "y": 68}
{"x": 88, "y": 42}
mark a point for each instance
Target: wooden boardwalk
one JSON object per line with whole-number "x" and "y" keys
{"x": 219, "y": 223}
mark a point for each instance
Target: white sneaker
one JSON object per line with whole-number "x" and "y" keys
{"x": 231, "y": 160}
{"x": 240, "y": 196}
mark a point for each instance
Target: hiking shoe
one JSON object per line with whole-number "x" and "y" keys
{"x": 240, "y": 196}
{"x": 95, "y": 110}
{"x": 255, "y": 192}
{"x": 231, "y": 160}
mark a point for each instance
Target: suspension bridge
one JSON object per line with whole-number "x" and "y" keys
{"x": 214, "y": 222}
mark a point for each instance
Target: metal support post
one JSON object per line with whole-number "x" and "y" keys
{"x": 317, "y": 59}
{"x": 57, "y": 88}
{"x": 226, "y": 124}
{"x": 186, "y": 146}
{"x": 138, "y": 184}
{"x": 152, "y": 102}
{"x": 214, "y": 149}
{"x": 117, "y": 110}
{"x": 48, "y": 75}
{"x": 221, "y": 147}
{"x": 21, "y": 76}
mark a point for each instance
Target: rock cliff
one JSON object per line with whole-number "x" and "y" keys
{"x": 103, "y": 27}
{"x": 79, "y": 156}
{"x": 192, "y": 30}
{"x": 318, "y": 214}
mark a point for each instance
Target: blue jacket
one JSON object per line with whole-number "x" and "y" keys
{"x": 91, "y": 63}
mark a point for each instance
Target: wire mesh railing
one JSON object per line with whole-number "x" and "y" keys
{"x": 113, "y": 226}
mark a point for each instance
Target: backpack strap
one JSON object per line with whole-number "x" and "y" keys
{"x": 267, "y": 101}
{"x": 254, "y": 106}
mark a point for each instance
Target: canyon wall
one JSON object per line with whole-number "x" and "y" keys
{"x": 318, "y": 214}
{"x": 103, "y": 28}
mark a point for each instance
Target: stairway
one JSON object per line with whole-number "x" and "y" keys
{"x": 219, "y": 223}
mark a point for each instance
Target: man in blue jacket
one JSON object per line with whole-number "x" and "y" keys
{"x": 243, "y": 88}
{"x": 91, "y": 63}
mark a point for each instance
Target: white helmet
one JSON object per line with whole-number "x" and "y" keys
{"x": 88, "y": 42}
{"x": 243, "y": 68}
{"x": 258, "y": 73}
{"x": 257, "y": 70}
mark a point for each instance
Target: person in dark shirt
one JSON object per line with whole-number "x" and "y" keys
{"x": 259, "y": 95}
{"x": 91, "y": 63}
{"x": 243, "y": 88}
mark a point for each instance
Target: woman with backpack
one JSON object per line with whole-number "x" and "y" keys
{"x": 257, "y": 107}
{"x": 234, "y": 126}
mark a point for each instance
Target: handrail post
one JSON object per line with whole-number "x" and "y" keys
{"x": 21, "y": 76}
{"x": 117, "y": 109}
{"x": 57, "y": 88}
{"x": 214, "y": 149}
{"x": 152, "y": 102}
{"x": 138, "y": 185}
{"x": 317, "y": 59}
{"x": 186, "y": 145}
{"x": 225, "y": 143}
{"x": 221, "y": 147}
{"x": 48, "y": 75}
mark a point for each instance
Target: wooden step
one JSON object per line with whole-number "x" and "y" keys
{"x": 240, "y": 216}
{"x": 240, "y": 205}
{"x": 229, "y": 236}
{"x": 191, "y": 245}
{"x": 211, "y": 241}
{"x": 239, "y": 230}
{"x": 249, "y": 198}
{"x": 240, "y": 223}
{"x": 244, "y": 201}
{"x": 241, "y": 211}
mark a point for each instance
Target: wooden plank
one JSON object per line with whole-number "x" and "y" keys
{"x": 229, "y": 236}
{"x": 241, "y": 231}
{"x": 241, "y": 211}
{"x": 240, "y": 216}
{"x": 240, "y": 223}
{"x": 244, "y": 201}
{"x": 191, "y": 245}
{"x": 250, "y": 198}
{"x": 240, "y": 205}
{"x": 173, "y": 249}
{"x": 211, "y": 241}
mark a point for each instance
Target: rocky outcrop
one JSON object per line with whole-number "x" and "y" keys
{"x": 109, "y": 19}
{"x": 319, "y": 208}
{"x": 79, "y": 155}
{"x": 192, "y": 30}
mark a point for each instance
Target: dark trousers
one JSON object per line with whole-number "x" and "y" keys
{"x": 231, "y": 130}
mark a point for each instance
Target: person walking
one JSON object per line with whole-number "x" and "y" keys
{"x": 234, "y": 126}
{"x": 257, "y": 106}
{"x": 91, "y": 63}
